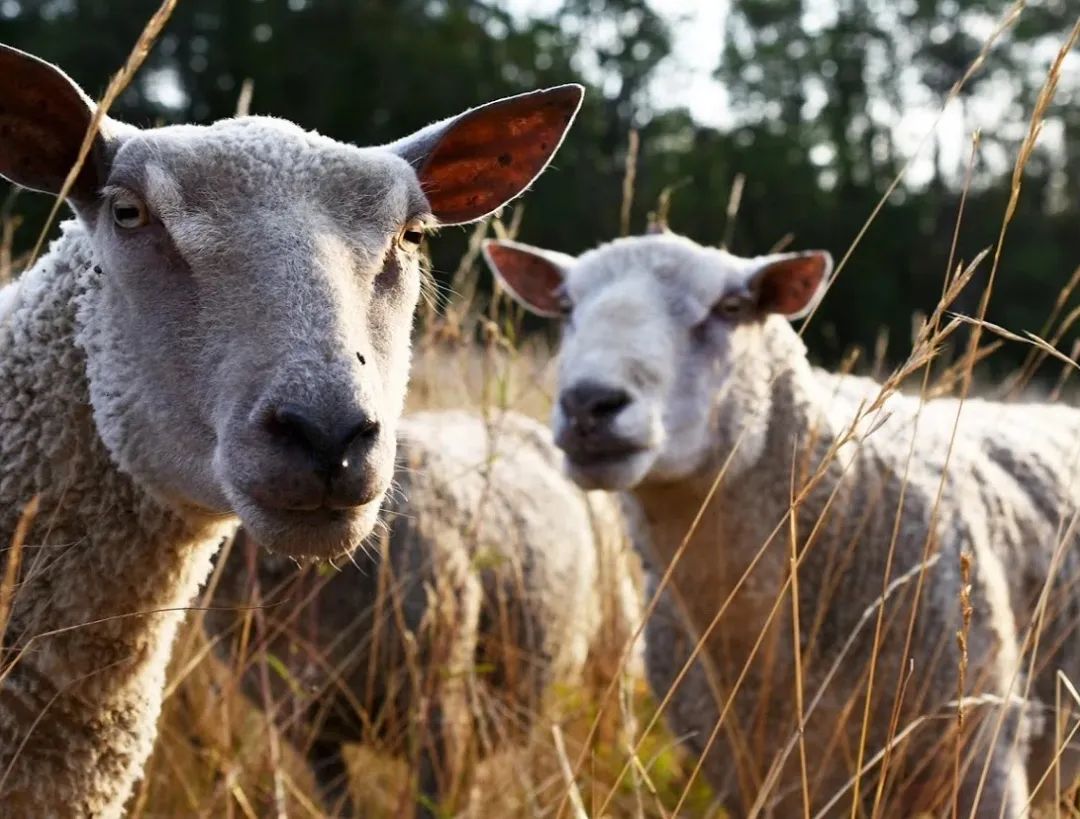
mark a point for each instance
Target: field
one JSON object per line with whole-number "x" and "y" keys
{"x": 595, "y": 749}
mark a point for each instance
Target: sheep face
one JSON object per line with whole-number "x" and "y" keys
{"x": 249, "y": 344}
{"x": 655, "y": 328}
{"x": 246, "y": 325}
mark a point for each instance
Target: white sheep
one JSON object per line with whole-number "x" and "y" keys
{"x": 496, "y": 581}
{"x": 8, "y": 299}
{"x": 223, "y": 331}
{"x": 678, "y": 362}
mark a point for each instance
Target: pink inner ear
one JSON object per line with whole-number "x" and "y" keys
{"x": 42, "y": 123}
{"x": 787, "y": 286}
{"x": 494, "y": 152}
{"x": 533, "y": 279}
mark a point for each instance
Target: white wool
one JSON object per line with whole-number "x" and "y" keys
{"x": 108, "y": 551}
{"x": 9, "y": 299}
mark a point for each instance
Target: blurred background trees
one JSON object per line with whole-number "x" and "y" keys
{"x": 818, "y": 98}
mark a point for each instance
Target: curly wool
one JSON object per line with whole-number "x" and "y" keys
{"x": 105, "y": 568}
{"x": 1006, "y": 499}
{"x": 497, "y": 580}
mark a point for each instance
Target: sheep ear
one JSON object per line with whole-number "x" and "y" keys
{"x": 472, "y": 164}
{"x": 533, "y": 277}
{"x": 43, "y": 120}
{"x": 790, "y": 283}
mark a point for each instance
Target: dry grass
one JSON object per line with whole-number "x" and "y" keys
{"x": 602, "y": 749}
{"x": 929, "y": 340}
{"x": 217, "y": 755}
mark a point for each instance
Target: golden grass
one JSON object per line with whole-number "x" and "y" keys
{"x": 601, "y": 749}
{"x": 928, "y": 343}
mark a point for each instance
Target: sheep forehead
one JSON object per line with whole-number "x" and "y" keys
{"x": 234, "y": 165}
{"x": 643, "y": 276}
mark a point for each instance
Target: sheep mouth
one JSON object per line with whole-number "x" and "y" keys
{"x": 585, "y": 451}
{"x": 319, "y": 516}
{"x": 605, "y": 458}
{"x": 611, "y": 464}
{"x": 324, "y": 532}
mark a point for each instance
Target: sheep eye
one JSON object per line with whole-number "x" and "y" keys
{"x": 411, "y": 236}
{"x": 129, "y": 211}
{"x": 730, "y": 307}
{"x": 564, "y": 306}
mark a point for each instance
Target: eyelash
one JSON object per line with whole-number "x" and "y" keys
{"x": 700, "y": 331}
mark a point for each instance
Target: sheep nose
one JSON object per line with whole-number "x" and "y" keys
{"x": 329, "y": 447}
{"x": 326, "y": 441}
{"x": 588, "y": 404}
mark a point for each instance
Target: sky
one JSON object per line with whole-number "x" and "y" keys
{"x": 686, "y": 80}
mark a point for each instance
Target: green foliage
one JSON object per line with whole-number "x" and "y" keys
{"x": 807, "y": 89}
{"x": 811, "y": 82}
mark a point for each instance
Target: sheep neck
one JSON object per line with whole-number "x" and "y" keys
{"x": 738, "y": 552}
{"x": 105, "y": 569}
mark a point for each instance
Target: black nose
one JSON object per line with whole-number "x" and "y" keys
{"x": 589, "y": 403}
{"x": 329, "y": 442}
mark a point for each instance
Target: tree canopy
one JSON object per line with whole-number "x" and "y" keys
{"x": 815, "y": 92}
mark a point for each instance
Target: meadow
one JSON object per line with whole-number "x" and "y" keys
{"x": 595, "y": 750}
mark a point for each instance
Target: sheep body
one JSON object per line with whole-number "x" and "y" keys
{"x": 680, "y": 365}
{"x": 1005, "y": 492}
{"x": 497, "y": 580}
{"x": 152, "y": 390}
{"x": 145, "y": 565}
{"x": 1024, "y": 456}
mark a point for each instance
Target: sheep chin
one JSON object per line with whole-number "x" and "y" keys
{"x": 611, "y": 473}
{"x": 322, "y": 534}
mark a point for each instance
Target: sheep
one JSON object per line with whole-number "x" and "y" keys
{"x": 496, "y": 580}
{"x": 221, "y": 333}
{"x": 678, "y": 364}
{"x": 8, "y": 300}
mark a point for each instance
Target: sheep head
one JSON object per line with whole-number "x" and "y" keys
{"x": 656, "y": 330}
{"x": 247, "y": 322}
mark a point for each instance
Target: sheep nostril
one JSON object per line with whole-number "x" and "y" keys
{"x": 610, "y": 405}
{"x": 331, "y": 443}
{"x": 365, "y": 430}
{"x": 589, "y": 403}
{"x": 292, "y": 423}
